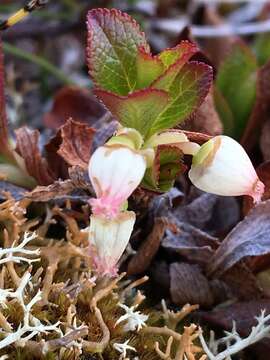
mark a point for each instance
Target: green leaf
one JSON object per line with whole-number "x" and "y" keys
{"x": 112, "y": 48}
{"x": 138, "y": 110}
{"x": 187, "y": 86}
{"x": 149, "y": 68}
{"x": 184, "y": 51}
{"x": 262, "y": 48}
{"x": 224, "y": 112}
{"x": 166, "y": 168}
{"x": 236, "y": 81}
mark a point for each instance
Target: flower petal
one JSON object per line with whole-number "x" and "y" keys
{"x": 109, "y": 239}
{"x": 115, "y": 172}
{"x": 223, "y": 167}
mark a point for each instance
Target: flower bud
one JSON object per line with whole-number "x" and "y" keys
{"x": 176, "y": 138}
{"x": 108, "y": 240}
{"x": 222, "y": 167}
{"x": 115, "y": 172}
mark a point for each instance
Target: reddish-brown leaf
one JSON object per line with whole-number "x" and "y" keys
{"x": 5, "y": 148}
{"x": 76, "y": 103}
{"x": 265, "y": 140}
{"x": 197, "y": 137}
{"x": 55, "y": 162}
{"x": 189, "y": 285}
{"x": 144, "y": 256}
{"x": 243, "y": 313}
{"x": 27, "y": 147}
{"x": 76, "y": 144}
{"x": 249, "y": 238}
{"x": 53, "y": 191}
{"x": 193, "y": 244}
{"x": 206, "y": 119}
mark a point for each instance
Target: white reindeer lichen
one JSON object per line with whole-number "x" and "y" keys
{"x": 30, "y": 324}
{"x": 233, "y": 341}
{"x": 14, "y": 252}
{"x": 123, "y": 348}
{"x": 135, "y": 320}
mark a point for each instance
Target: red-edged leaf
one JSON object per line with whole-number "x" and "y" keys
{"x": 149, "y": 68}
{"x": 249, "y": 238}
{"x": 187, "y": 86}
{"x": 180, "y": 53}
{"x": 165, "y": 169}
{"x": 139, "y": 110}
{"x": 197, "y": 137}
{"x": 27, "y": 147}
{"x": 76, "y": 103}
{"x": 113, "y": 42}
{"x": 76, "y": 143}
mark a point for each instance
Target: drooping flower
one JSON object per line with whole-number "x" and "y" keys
{"x": 135, "y": 320}
{"x": 222, "y": 167}
{"x": 115, "y": 172}
{"x": 108, "y": 239}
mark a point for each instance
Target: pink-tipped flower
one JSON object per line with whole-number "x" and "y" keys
{"x": 115, "y": 172}
{"x": 222, "y": 167}
{"x": 108, "y": 240}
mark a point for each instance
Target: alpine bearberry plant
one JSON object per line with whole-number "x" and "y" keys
{"x": 66, "y": 299}
{"x": 149, "y": 95}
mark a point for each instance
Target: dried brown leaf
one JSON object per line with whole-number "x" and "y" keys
{"x": 76, "y": 144}
{"x": 5, "y": 148}
{"x": 191, "y": 243}
{"x": 265, "y": 140}
{"x": 80, "y": 178}
{"x": 189, "y": 285}
{"x": 199, "y": 212}
{"x": 55, "y": 162}
{"x": 243, "y": 313}
{"x": 27, "y": 147}
{"x": 53, "y": 191}
{"x": 249, "y": 238}
{"x": 74, "y": 102}
{"x": 242, "y": 282}
{"x": 206, "y": 120}
{"x": 144, "y": 256}
{"x": 197, "y": 137}
{"x": 216, "y": 48}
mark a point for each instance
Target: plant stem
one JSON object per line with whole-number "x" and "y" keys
{"x": 39, "y": 61}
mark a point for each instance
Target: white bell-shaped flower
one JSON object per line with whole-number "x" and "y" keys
{"x": 115, "y": 172}
{"x": 108, "y": 240}
{"x": 222, "y": 167}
